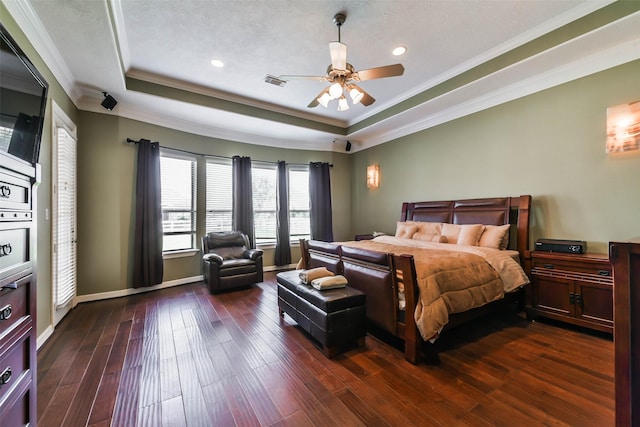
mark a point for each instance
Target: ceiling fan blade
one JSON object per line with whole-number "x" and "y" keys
{"x": 366, "y": 99}
{"x": 315, "y": 101}
{"x": 338, "y": 53}
{"x": 379, "y": 72}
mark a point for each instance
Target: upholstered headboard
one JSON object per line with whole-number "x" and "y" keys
{"x": 490, "y": 211}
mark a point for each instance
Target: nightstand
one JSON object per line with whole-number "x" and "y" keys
{"x": 572, "y": 288}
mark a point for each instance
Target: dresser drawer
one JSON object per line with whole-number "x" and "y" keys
{"x": 15, "y": 192}
{"x": 16, "y": 412}
{"x": 13, "y": 303}
{"x": 14, "y": 361}
{"x": 595, "y": 266}
{"x": 14, "y": 247}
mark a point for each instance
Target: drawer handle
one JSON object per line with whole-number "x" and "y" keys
{"x": 549, "y": 266}
{"x": 5, "y": 376}
{"x": 5, "y": 191}
{"x": 5, "y": 312}
{"x": 604, "y": 273}
{"x": 5, "y": 249}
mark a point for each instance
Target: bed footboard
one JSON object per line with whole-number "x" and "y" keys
{"x": 372, "y": 273}
{"x": 378, "y": 275}
{"x": 406, "y": 274}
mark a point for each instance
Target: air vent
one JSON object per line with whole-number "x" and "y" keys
{"x": 274, "y": 80}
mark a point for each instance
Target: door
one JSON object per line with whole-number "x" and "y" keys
{"x": 63, "y": 218}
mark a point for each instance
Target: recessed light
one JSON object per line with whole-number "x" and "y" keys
{"x": 400, "y": 50}
{"x": 217, "y": 63}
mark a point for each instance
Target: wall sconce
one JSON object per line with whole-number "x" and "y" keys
{"x": 623, "y": 128}
{"x": 373, "y": 176}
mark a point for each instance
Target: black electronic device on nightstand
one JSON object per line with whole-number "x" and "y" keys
{"x": 562, "y": 246}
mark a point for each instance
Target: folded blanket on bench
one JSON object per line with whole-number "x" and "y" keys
{"x": 307, "y": 276}
{"x": 329, "y": 282}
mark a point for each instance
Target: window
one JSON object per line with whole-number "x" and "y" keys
{"x": 264, "y": 179}
{"x": 178, "y": 186}
{"x": 299, "y": 220}
{"x": 219, "y": 203}
{"x": 64, "y": 236}
{"x": 219, "y": 196}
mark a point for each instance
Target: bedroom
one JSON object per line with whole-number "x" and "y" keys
{"x": 549, "y": 144}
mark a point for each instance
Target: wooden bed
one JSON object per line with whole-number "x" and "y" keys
{"x": 380, "y": 274}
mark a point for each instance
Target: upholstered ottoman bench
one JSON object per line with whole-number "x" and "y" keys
{"x": 334, "y": 317}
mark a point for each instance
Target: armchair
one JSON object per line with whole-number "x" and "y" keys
{"x": 228, "y": 262}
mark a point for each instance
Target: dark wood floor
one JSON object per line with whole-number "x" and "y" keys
{"x": 181, "y": 357}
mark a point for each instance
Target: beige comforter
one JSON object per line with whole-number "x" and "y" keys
{"x": 452, "y": 278}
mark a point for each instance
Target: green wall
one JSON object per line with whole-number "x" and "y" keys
{"x": 550, "y": 145}
{"x": 106, "y": 210}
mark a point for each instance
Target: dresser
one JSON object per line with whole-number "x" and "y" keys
{"x": 625, "y": 257}
{"x": 18, "y": 357}
{"x": 573, "y": 288}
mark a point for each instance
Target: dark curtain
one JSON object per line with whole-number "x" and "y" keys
{"x": 242, "y": 216}
{"x": 283, "y": 249}
{"x": 147, "y": 251}
{"x": 320, "y": 198}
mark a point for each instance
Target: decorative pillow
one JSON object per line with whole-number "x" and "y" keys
{"x": 440, "y": 239}
{"x": 437, "y": 238}
{"x": 470, "y": 234}
{"x": 495, "y": 236}
{"x": 429, "y": 227}
{"x": 451, "y": 232}
{"x": 406, "y": 230}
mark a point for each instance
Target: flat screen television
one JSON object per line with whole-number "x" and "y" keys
{"x": 23, "y": 100}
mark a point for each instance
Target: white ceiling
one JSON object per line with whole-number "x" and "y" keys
{"x": 95, "y": 45}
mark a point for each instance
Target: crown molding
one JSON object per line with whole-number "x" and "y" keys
{"x": 32, "y": 27}
{"x": 317, "y": 141}
{"x": 624, "y": 42}
{"x": 201, "y": 90}
{"x": 548, "y": 26}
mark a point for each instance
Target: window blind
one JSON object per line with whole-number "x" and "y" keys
{"x": 178, "y": 188}
{"x": 299, "y": 221}
{"x": 64, "y": 227}
{"x": 219, "y": 196}
{"x": 264, "y": 180}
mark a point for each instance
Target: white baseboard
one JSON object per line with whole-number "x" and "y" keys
{"x": 279, "y": 267}
{"x": 43, "y": 337}
{"x": 133, "y": 291}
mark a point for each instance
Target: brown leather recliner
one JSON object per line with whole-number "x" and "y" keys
{"x": 228, "y": 262}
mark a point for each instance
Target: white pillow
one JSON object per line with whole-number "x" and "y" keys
{"x": 406, "y": 230}
{"x": 451, "y": 232}
{"x": 429, "y": 227}
{"x": 470, "y": 234}
{"x": 495, "y": 236}
{"x": 428, "y": 237}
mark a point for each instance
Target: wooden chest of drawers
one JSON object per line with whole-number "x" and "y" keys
{"x": 573, "y": 288}
{"x": 17, "y": 293}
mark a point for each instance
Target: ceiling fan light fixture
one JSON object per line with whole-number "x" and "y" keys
{"x": 341, "y": 76}
{"x": 335, "y": 90}
{"x": 324, "y": 99}
{"x": 356, "y": 95}
{"x": 342, "y": 104}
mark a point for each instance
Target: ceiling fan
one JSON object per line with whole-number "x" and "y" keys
{"x": 343, "y": 76}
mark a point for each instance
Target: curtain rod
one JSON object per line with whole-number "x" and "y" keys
{"x": 133, "y": 141}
